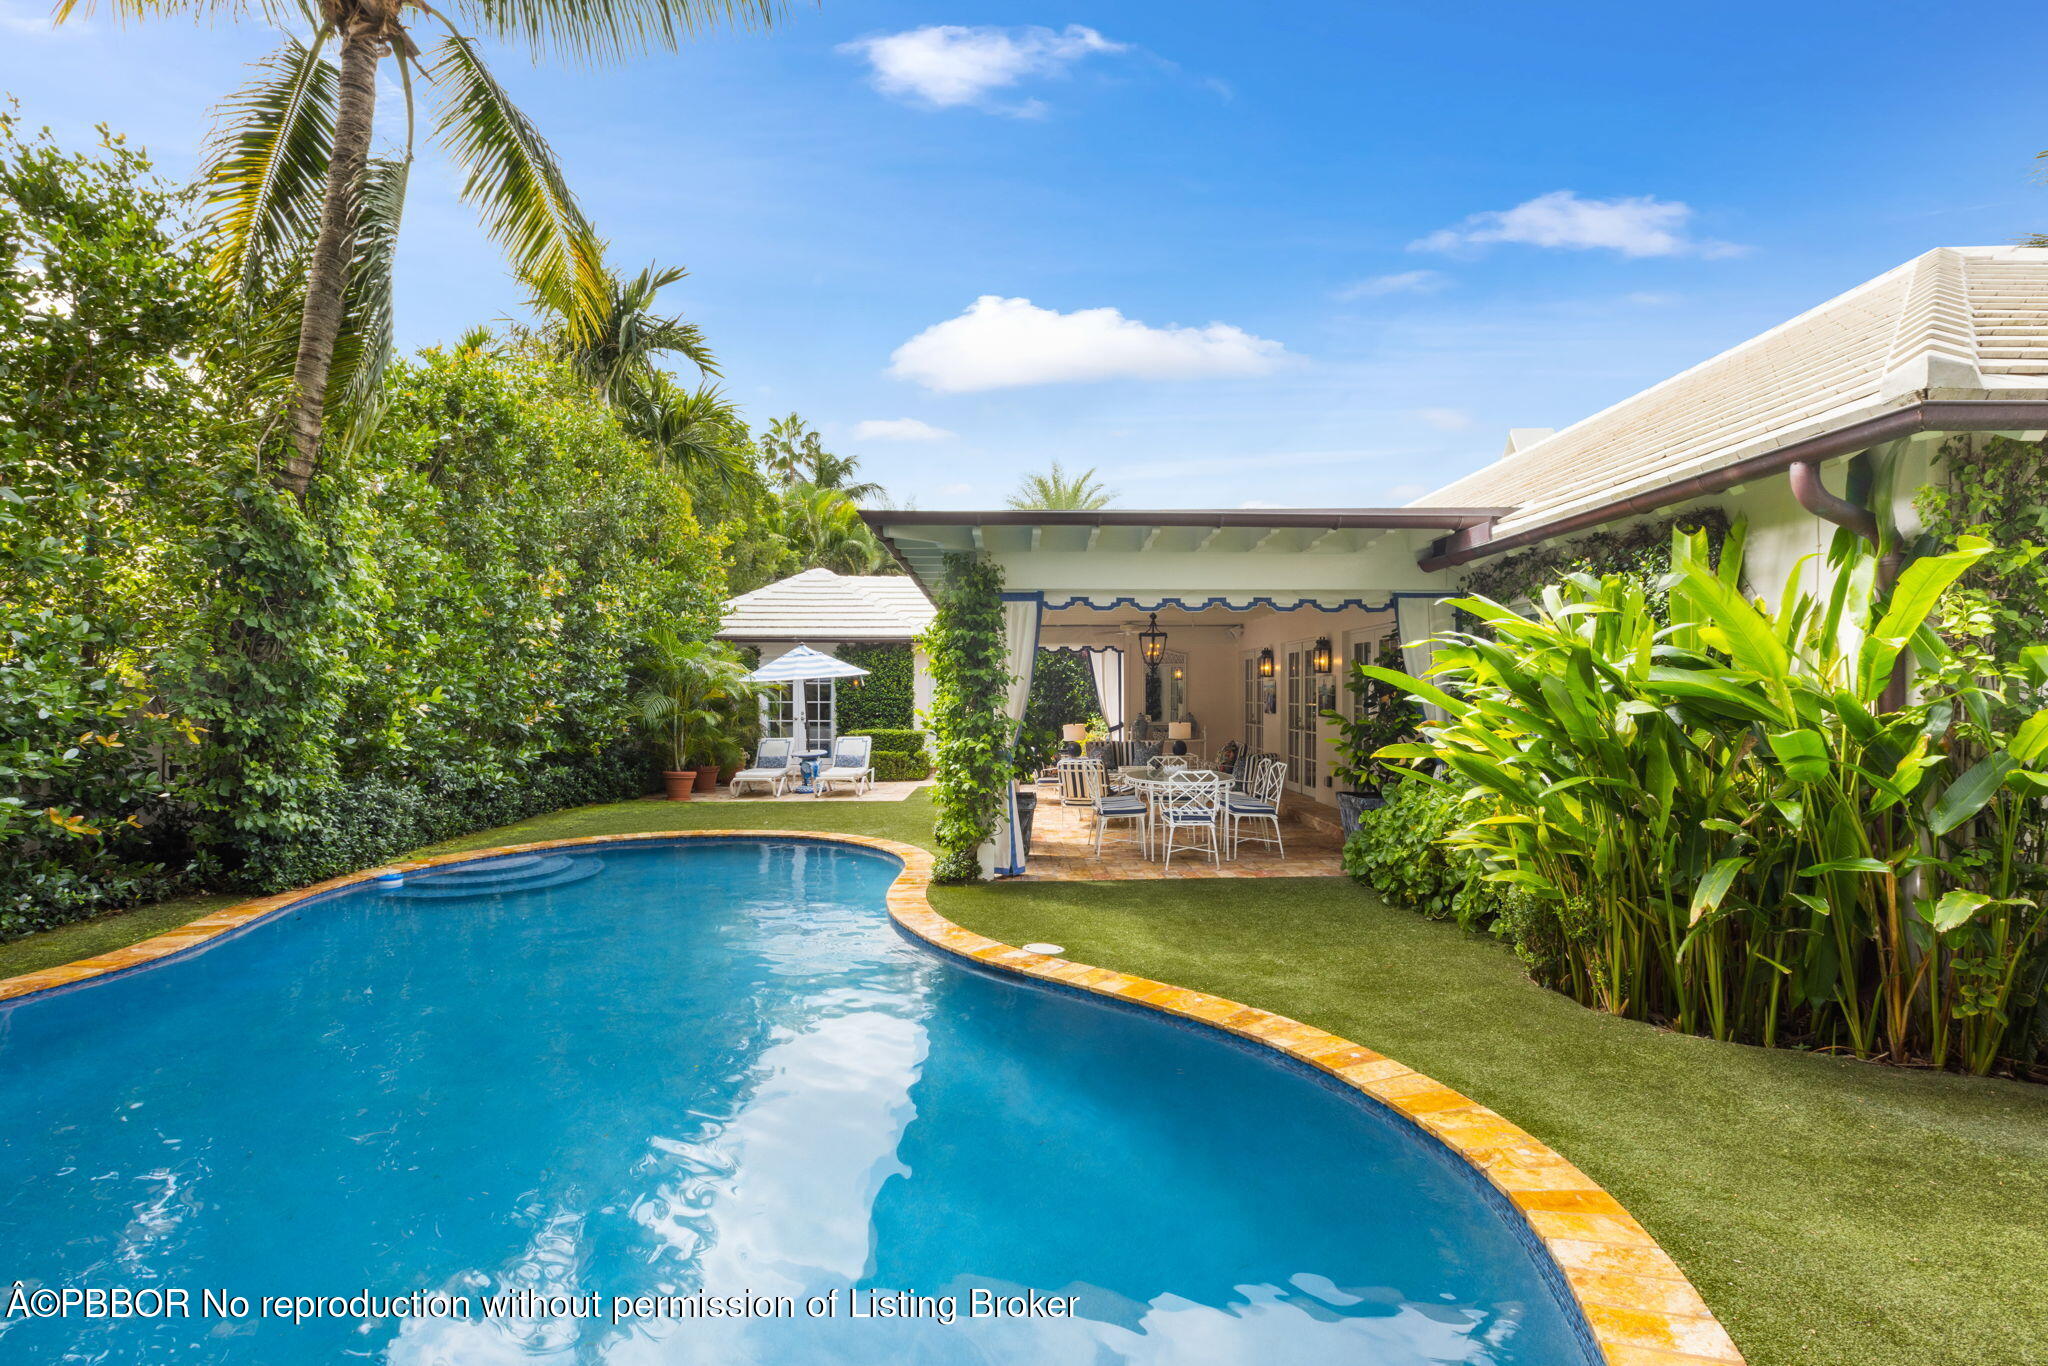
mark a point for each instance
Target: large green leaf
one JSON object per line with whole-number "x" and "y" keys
{"x": 1803, "y": 754}
{"x": 1969, "y": 794}
{"x": 1919, "y": 588}
{"x": 1714, "y": 886}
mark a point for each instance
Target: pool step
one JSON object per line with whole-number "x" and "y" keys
{"x": 520, "y": 873}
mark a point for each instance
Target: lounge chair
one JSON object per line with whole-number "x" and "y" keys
{"x": 850, "y": 766}
{"x": 771, "y": 767}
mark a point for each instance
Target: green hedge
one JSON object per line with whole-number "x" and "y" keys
{"x": 902, "y": 768}
{"x": 885, "y": 698}
{"x": 204, "y": 682}
{"x": 893, "y": 741}
{"x": 369, "y": 822}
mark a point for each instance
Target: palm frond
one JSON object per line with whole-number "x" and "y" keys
{"x": 608, "y": 29}
{"x": 517, "y": 188}
{"x": 364, "y": 347}
{"x": 266, "y": 168}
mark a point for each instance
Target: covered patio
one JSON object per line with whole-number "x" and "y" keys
{"x": 1221, "y": 632}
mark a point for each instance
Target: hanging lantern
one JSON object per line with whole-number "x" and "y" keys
{"x": 1319, "y": 659}
{"x": 1266, "y": 662}
{"x": 1152, "y": 643}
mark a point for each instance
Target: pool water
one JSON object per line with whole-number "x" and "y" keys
{"x": 669, "y": 1068}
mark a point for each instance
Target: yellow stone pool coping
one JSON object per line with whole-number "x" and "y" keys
{"x": 1642, "y": 1309}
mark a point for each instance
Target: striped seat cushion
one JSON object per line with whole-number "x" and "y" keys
{"x": 1189, "y": 817}
{"x": 1119, "y": 804}
{"x": 1245, "y": 806}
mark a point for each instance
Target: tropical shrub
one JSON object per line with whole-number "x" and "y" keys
{"x": 118, "y": 364}
{"x": 1401, "y": 852}
{"x": 203, "y": 682}
{"x": 1725, "y": 828}
{"x": 965, "y": 646}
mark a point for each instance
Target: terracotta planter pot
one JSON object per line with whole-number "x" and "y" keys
{"x": 707, "y": 778}
{"x": 680, "y": 783}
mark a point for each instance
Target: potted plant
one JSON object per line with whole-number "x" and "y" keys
{"x": 689, "y": 692}
{"x": 1381, "y": 715}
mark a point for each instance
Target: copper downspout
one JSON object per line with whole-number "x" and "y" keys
{"x": 1813, "y": 495}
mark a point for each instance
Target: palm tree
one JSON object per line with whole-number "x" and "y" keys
{"x": 1056, "y": 490}
{"x": 829, "y": 471}
{"x": 789, "y": 449}
{"x": 697, "y": 433}
{"x": 301, "y": 212}
{"x": 615, "y": 352}
{"x": 825, "y": 531}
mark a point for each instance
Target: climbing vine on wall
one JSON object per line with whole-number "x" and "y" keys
{"x": 1642, "y": 552}
{"x": 965, "y": 646}
{"x": 885, "y": 698}
{"x": 1996, "y": 488}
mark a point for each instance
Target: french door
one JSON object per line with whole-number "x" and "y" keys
{"x": 1301, "y": 719}
{"x": 1254, "y": 705}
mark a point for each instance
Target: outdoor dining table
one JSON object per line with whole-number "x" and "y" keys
{"x": 1149, "y": 783}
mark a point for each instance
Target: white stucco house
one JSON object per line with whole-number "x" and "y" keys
{"x": 1256, "y": 605}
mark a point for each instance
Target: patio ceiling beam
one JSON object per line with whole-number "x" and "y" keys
{"x": 1407, "y": 518}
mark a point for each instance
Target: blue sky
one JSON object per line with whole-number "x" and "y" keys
{"x": 1229, "y": 255}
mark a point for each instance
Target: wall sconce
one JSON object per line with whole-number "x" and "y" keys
{"x": 1179, "y": 674}
{"x": 1320, "y": 659}
{"x": 1266, "y": 662}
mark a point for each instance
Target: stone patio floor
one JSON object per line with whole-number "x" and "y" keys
{"x": 1063, "y": 850}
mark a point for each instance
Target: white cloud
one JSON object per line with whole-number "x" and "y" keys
{"x": 1444, "y": 419}
{"x": 31, "y": 23}
{"x": 947, "y": 65}
{"x": 1402, "y": 282}
{"x": 1640, "y": 226}
{"x": 1401, "y": 494}
{"x": 899, "y": 429}
{"x": 1002, "y": 343}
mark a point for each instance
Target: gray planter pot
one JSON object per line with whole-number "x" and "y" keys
{"x": 1027, "y": 809}
{"x": 1352, "y": 805}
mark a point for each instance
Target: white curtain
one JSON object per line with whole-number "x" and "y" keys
{"x": 1419, "y": 618}
{"x": 1004, "y": 856}
{"x": 1107, "y": 664}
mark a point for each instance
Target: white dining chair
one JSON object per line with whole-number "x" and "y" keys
{"x": 1191, "y": 805}
{"x": 1260, "y": 804}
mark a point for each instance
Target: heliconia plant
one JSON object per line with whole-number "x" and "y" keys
{"x": 1733, "y": 823}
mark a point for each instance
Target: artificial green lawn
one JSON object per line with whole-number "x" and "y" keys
{"x": 1832, "y": 1212}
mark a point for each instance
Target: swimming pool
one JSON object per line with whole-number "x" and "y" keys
{"x": 653, "y": 1073}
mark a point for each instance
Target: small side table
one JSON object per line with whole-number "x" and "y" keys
{"x": 810, "y": 759}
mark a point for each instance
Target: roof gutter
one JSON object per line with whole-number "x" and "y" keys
{"x": 1935, "y": 415}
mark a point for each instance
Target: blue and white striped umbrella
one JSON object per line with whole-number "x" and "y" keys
{"x": 804, "y": 663}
